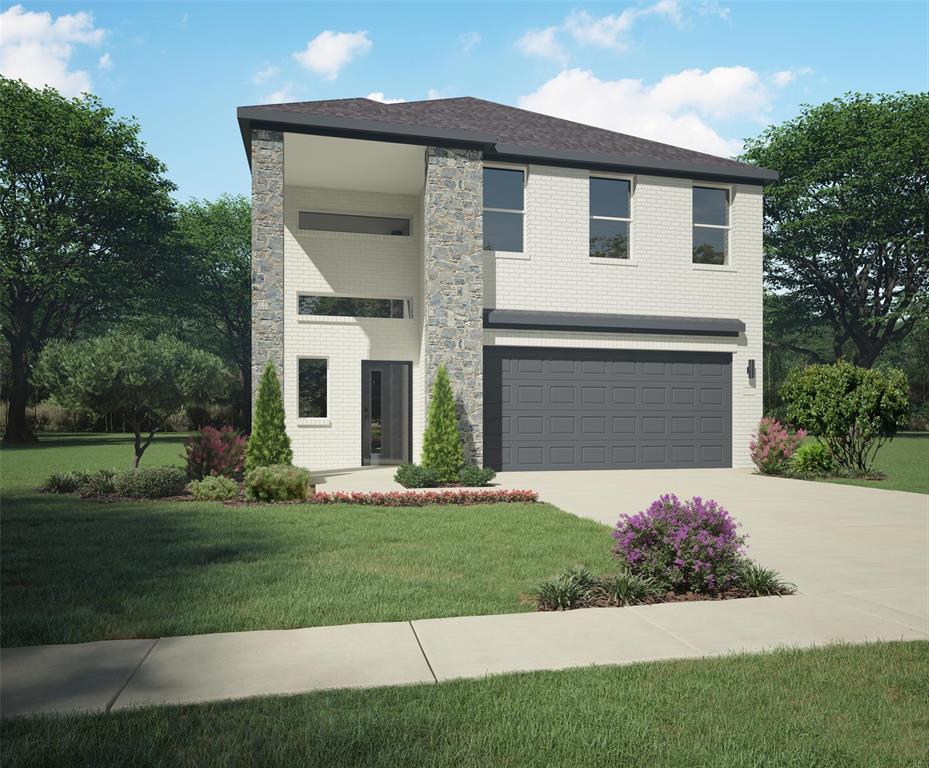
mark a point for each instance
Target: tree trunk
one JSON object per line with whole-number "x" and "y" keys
{"x": 245, "y": 369}
{"x": 17, "y": 427}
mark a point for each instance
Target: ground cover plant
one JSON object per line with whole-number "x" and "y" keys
{"x": 76, "y": 571}
{"x": 860, "y": 706}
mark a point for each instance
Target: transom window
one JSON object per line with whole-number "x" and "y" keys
{"x": 351, "y": 306}
{"x": 504, "y": 208}
{"x": 312, "y": 381}
{"x": 711, "y": 225}
{"x": 610, "y": 218}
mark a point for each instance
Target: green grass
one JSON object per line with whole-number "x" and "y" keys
{"x": 74, "y": 571}
{"x": 839, "y": 707}
{"x": 905, "y": 461}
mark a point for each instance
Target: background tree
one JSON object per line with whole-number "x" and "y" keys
{"x": 146, "y": 380}
{"x": 442, "y": 451}
{"x": 214, "y": 241}
{"x": 268, "y": 444}
{"x": 847, "y": 224}
{"x": 84, "y": 211}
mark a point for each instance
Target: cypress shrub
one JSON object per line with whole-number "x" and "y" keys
{"x": 269, "y": 443}
{"x": 442, "y": 451}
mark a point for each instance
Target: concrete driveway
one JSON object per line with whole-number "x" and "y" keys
{"x": 863, "y": 545}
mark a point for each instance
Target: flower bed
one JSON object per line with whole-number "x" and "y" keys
{"x": 422, "y": 498}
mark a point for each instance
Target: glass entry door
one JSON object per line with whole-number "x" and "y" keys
{"x": 386, "y": 389}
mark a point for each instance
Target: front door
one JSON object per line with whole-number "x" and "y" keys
{"x": 386, "y": 407}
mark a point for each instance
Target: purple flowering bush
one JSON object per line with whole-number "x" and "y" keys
{"x": 687, "y": 546}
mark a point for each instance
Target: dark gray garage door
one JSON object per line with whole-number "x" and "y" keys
{"x": 606, "y": 409}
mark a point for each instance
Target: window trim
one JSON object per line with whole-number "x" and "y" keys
{"x": 523, "y": 254}
{"x": 312, "y": 421}
{"x": 344, "y": 212}
{"x": 727, "y": 265}
{"x": 408, "y": 313}
{"x": 629, "y": 261}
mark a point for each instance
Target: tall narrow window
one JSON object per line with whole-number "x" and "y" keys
{"x": 610, "y": 218}
{"x": 711, "y": 225}
{"x": 312, "y": 377}
{"x": 504, "y": 190}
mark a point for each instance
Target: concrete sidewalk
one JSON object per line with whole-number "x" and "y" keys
{"x": 119, "y": 674}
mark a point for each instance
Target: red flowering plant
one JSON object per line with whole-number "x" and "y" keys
{"x": 422, "y": 498}
{"x": 215, "y": 452}
{"x": 773, "y": 446}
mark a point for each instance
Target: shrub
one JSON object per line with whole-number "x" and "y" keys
{"x": 64, "y": 482}
{"x": 758, "y": 581}
{"x": 812, "y": 458}
{"x": 853, "y": 410}
{"x": 213, "y": 488}
{"x": 422, "y": 498}
{"x": 626, "y": 588}
{"x": 99, "y": 483}
{"x": 572, "y": 588}
{"x": 150, "y": 482}
{"x": 773, "y": 446}
{"x": 269, "y": 444}
{"x": 476, "y": 476}
{"x": 416, "y": 476}
{"x": 442, "y": 450}
{"x": 279, "y": 482}
{"x": 215, "y": 452}
{"x": 687, "y": 546}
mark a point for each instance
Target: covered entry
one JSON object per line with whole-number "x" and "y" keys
{"x": 550, "y": 408}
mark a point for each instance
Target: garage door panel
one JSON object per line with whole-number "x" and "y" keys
{"x": 589, "y": 409}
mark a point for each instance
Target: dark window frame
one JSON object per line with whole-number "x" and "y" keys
{"x": 509, "y": 211}
{"x": 325, "y": 384}
{"x": 630, "y": 180}
{"x": 723, "y": 228}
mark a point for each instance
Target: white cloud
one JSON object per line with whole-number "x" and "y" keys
{"x": 38, "y": 49}
{"x": 379, "y": 96}
{"x": 787, "y": 76}
{"x": 673, "y": 110}
{"x": 543, "y": 43}
{"x": 610, "y": 31}
{"x": 282, "y": 95}
{"x": 329, "y": 51}
{"x": 265, "y": 73}
{"x": 713, "y": 8}
{"x": 105, "y": 63}
{"x": 435, "y": 93}
{"x": 468, "y": 40}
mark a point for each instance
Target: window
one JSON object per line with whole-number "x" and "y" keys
{"x": 503, "y": 209}
{"x": 711, "y": 225}
{"x": 348, "y": 306}
{"x": 609, "y": 218}
{"x": 366, "y": 225}
{"x": 311, "y": 388}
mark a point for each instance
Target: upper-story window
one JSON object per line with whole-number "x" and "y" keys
{"x": 610, "y": 217}
{"x": 711, "y": 225}
{"x": 352, "y": 306}
{"x": 504, "y": 208}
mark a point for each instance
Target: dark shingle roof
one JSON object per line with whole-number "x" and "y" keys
{"x": 511, "y": 131}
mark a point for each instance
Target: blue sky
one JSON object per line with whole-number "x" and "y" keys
{"x": 703, "y": 73}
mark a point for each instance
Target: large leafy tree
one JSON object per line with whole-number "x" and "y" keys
{"x": 847, "y": 223}
{"x": 214, "y": 242}
{"x": 84, "y": 212}
{"x": 145, "y": 379}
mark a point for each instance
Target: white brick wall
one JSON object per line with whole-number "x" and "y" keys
{"x": 659, "y": 279}
{"x": 347, "y": 264}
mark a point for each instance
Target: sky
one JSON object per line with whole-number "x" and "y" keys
{"x": 703, "y": 74}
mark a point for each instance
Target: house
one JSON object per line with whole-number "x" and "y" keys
{"x": 596, "y": 298}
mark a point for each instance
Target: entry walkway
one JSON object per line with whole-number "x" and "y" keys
{"x": 119, "y": 674}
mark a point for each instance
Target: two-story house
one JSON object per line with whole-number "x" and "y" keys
{"x": 596, "y": 298}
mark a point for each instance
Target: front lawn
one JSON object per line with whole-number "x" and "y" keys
{"x": 74, "y": 571}
{"x": 839, "y": 707}
{"x": 905, "y": 461}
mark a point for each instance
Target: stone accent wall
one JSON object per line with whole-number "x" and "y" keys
{"x": 453, "y": 284}
{"x": 267, "y": 254}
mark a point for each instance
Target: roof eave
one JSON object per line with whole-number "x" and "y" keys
{"x": 376, "y": 130}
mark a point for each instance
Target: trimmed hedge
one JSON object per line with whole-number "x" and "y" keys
{"x": 150, "y": 482}
{"x": 279, "y": 482}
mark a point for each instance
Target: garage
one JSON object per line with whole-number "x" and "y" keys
{"x": 549, "y": 408}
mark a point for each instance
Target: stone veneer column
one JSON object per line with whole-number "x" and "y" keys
{"x": 453, "y": 284}
{"x": 267, "y": 254}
